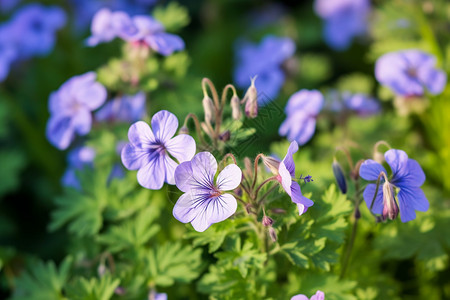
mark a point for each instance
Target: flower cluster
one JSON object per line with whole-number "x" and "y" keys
{"x": 302, "y": 110}
{"x": 264, "y": 61}
{"x": 70, "y": 109}
{"x": 344, "y": 20}
{"x": 410, "y": 73}
{"x": 30, "y": 32}
{"x": 107, "y": 25}
{"x": 407, "y": 177}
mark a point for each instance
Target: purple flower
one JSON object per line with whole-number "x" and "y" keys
{"x": 8, "y": 53}
{"x": 107, "y": 25}
{"x": 410, "y": 73}
{"x": 286, "y": 172}
{"x": 151, "y": 32}
{"x": 318, "y": 296}
{"x": 362, "y": 104}
{"x": 203, "y": 202}
{"x": 407, "y": 177}
{"x": 78, "y": 158}
{"x": 126, "y": 108}
{"x": 34, "y": 27}
{"x": 301, "y": 110}
{"x": 264, "y": 61}
{"x": 70, "y": 108}
{"x": 344, "y": 20}
{"x": 8, "y": 5}
{"x": 149, "y": 150}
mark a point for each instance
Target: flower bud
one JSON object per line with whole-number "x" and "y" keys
{"x": 390, "y": 207}
{"x": 206, "y": 129}
{"x": 101, "y": 270}
{"x": 251, "y": 101}
{"x": 225, "y": 136}
{"x": 271, "y": 163}
{"x": 278, "y": 211}
{"x": 183, "y": 130}
{"x": 354, "y": 174}
{"x": 339, "y": 176}
{"x": 273, "y": 234}
{"x": 236, "y": 108}
{"x": 119, "y": 291}
{"x": 266, "y": 221}
{"x": 208, "y": 108}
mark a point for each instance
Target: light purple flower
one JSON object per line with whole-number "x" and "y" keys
{"x": 8, "y": 5}
{"x": 150, "y": 151}
{"x": 107, "y": 25}
{"x": 126, "y": 108}
{"x": 410, "y": 73}
{"x": 264, "y": 61}
{"x": 34, "y": 27}
{"x": 205, "y": 202}
{"x": 151, "y": 32}
{"x": 70, "y": 109}
{"x": 344, "y": 20}
{"x": 8, "y": 53}
{"x": 407, "y": 177}
{"x": 286, "y": 174}
{"x": 78, "y": 158}
{"x": 362, "y": 104}
{"x": 318, "y": 296}
{"x": 302, "y": 110}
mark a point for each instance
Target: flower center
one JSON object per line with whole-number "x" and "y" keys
{"x": 158, "y": 148}
{"x": 412, "y": 72}
{"x": 215, "y": 193}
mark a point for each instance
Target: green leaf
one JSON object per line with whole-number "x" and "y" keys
{"x": 93, "y": 289}
{"x": 42, "y": 281}
{"x": 173, "y": 16}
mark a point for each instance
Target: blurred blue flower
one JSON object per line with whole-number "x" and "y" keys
{"x": 8, "y": 53}
{"x": 78, "y": 159}
{"x": 149, "y": 150}
{"x": 126, "y": 108}
{"x": 7, "y": 5}
{"x": 319, "y": 295}
{"x": 362, "y": 104}
{"x": 34, "y": 27}
{"x": 410, "y": 73}
{"x": 344, "y": 20}
{"x": 107, "y": 25}
{"x": 264, "y": 61}
{"x": 302, "y": 110}
{"x": 205, "y": 202}
{"x": 407, "y": 177}
{"x": 70, "y": 108}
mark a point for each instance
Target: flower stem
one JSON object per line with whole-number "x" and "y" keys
{"x": 255, "y": 175}
{"x": 197, "y": 126}
{"x": 255, "y": 196}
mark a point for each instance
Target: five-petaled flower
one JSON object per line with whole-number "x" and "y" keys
{"x": 319, "y": 295}
{"x": 70, "y": 109}
{"x": 301, "y": 110}
{"x": 150, "y": 150}
{"x": 410, "y": 72}
{"x": 407, "y": 176}
{"x": 205, "y": 202}
{"x": 285, "y": 173}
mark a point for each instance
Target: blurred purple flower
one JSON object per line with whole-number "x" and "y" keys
{"x": 264, "y": 61}
{"x": 161, "y": 296}
{"x": 344, "y": 20}
{"x": 318, "y": 296}
{"x": 151, "y": 32}
{"x": 203, "y": 202}
{"x": 301, "y": 110}
{"x": 78, "y": 159}
{"x": 7, "y": 5}
{"x": 410, "y": 73}
{"x": 126, "y": 108}
{"x": 107, "y": 25}
{"x": 286, "y": 172}
{"x": 149, "y": 150}
{"x": 34, "y": 27}
{"x": 362, "y": 104}
{"x": 7, "y": 52}
{"x": 70, "y": 108}
{"x": 407, "y": 176}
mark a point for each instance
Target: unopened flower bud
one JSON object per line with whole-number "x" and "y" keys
{"x": 225, "y": 136}
{"x": 236, "y": 108}
{"x": 339, "y": 176}
{"x": 273, "y": 234}
{"x": 183, "y": 130}
{"x": 357, "y": 213}
{"x": 206, "y": 129}
{"x": 390, "y": 207}
{"x": 119, "y": 291}
{"x": 251, "y": 101}
{"x": 101, "y": 270}
{"x": 208, "y": 108}
{"x": 238, "y": 192}
{"x": 266, "y": 221}
{"x": 271, "y": 163}
{"x": 278, "y": 211}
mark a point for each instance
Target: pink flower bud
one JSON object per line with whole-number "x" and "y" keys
{"x": 236, "y": 107}
{"x": 208, "y": 108}
{"x": 251, "y": 101}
